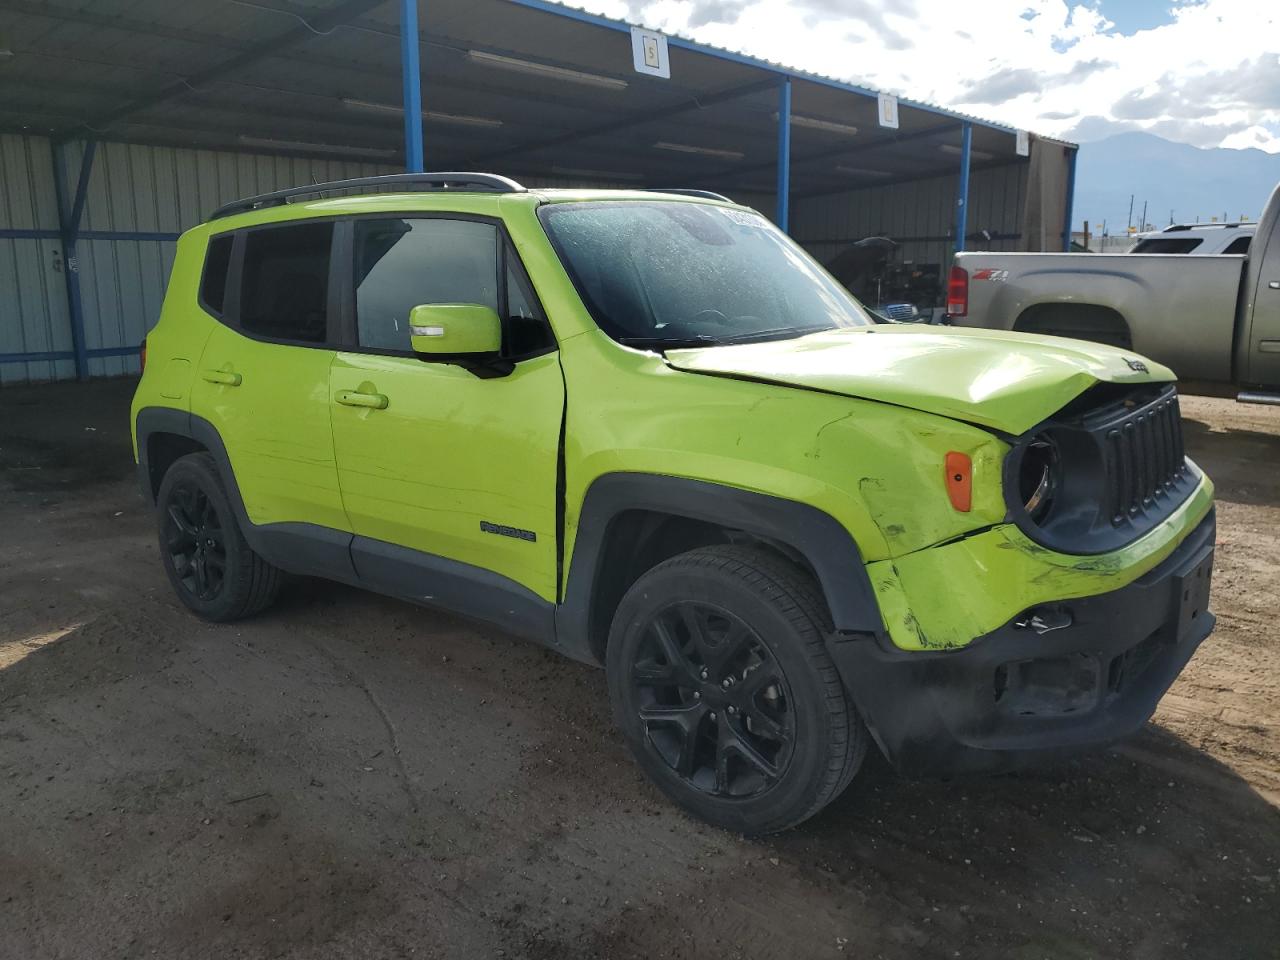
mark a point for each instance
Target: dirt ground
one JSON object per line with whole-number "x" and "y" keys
{"x": 349, "y": 776}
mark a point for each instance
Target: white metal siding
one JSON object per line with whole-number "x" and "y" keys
{"x": 167, "y": 190}
{"x": 131, "y": 189}
{"x": 33, "y": 301}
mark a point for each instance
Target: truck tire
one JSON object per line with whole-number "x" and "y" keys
{"x": 212, "y": 568}
{"x": 720, "y": 680}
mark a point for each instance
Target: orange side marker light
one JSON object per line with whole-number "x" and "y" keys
{"x": 959, "y": 480}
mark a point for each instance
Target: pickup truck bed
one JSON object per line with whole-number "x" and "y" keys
{"x": 1208, "y": 318}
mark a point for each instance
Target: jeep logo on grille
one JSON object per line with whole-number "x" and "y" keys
{"x": 1136, "y": 365}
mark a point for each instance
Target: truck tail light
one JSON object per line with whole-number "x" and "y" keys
{"x": 142, "y": 356}
{"x": 959, "y": 480}
{"x": 958, "y": 292}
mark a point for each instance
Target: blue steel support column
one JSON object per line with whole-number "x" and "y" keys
{"x": 783, "y": 213}
{"x": 411, "y": 72}
{"x": 1071, "y": 200}
{"x": 69, "y": 232}
{"x": 962, "y": 194}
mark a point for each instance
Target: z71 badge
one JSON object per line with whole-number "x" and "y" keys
{"x": 997, "y": 276}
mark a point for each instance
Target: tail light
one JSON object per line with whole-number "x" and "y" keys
{"x": 958, "y": 292}
{"x": 142, "y": 356}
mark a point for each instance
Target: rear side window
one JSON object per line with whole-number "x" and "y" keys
{"x": 284, "y": 285}
{"x": 1238, "y": 245}
{"x": 213, "y": 281}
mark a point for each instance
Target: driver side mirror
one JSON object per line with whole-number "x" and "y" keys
{"x": 440, "y": 330}
{"x": 468, "y": 334}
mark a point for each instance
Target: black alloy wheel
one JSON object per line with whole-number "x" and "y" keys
{"x": 194, "y": 537}
{"x": 212, "y": 567}
{"x": 722, "y": 684}
{"x": 713, "y": 700}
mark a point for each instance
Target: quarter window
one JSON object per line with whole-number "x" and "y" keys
{"x": 1238, "y": 245}
{"x": 284, "y": 288}
{"x": 213, "y": 282}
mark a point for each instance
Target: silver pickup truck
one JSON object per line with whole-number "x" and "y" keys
{"x": 1211, "y": 319}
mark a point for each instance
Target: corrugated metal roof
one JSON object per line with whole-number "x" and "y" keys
{"x": 322, "y": 78}
{"x": 711, "y": 49}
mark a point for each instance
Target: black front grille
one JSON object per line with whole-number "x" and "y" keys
{"x": 1118, "y": 469}
{"x": 1144, "y": 459}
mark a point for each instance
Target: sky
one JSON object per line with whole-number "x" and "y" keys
{"x": 1203, "y": 72}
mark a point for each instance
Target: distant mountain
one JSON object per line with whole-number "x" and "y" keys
{"x": 1188, "y": 180}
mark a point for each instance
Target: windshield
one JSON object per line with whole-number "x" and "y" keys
{"x": 661, "y": 274}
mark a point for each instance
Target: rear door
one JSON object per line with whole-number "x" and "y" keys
{"x": 263, "y": 379}
{"x": 453, "y": 466}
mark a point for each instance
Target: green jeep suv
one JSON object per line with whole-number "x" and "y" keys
{"x": 649, "y": 431}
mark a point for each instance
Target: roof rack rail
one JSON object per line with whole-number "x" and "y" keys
{"x": 1214, "y": 224}
{"x": 686, "y": 192}
{"x": 484, "y": 182}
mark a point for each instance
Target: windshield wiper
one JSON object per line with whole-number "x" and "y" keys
{"x": 772, "y": 333}
{"x": 669, "y": 343}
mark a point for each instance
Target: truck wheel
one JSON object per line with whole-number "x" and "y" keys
{"x": 720, "y": 680}
{"x": 211, "y": 566}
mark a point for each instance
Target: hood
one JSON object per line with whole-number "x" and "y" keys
{"x": 995, "y": 378}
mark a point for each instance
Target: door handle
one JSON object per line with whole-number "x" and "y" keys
{"x": 353, "y": 398}
{"x": 224, "y": 377}
{"x": 1274, "y": 284}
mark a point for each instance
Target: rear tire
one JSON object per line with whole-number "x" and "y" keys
{"x": 212, "y": 568}
{"x": 720, "y": 680}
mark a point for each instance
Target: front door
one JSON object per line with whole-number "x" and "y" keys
{"x": 446, "y": 463}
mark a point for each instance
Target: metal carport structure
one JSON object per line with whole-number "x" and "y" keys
{"x": 127, "y": 122}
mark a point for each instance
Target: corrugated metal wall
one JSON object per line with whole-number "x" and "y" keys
{"x": 920, "y": 215}
{"x": 33, "y": 300}
{"x": 155, "y": 191}
{"x": 139, "y": 198}
{"x": 164, "y": 190}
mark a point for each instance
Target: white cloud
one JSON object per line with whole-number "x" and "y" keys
{"x": 1210, "y": 76}
{"x": 1258, "y": 137}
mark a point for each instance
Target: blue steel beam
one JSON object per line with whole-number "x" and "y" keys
{"x": 783, "y": 212}
{"x": 411, "y": 76}
{"x": 962, "y": 194}
{"x": 82, "y": 185}
{"x": 1071, "y": 199}
{"x": 69, "y": 223}
{"x": 142, "y": 235}
{"x": 65, "y": 354}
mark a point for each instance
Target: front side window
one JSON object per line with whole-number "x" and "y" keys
{"x": 664, "y": 274}
{"x": 284, "y": 286}
{"x": 405, "y": 262}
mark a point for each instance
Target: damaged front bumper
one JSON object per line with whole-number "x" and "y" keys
{"x": 1058, "y": 676}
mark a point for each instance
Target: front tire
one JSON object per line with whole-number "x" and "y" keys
{"x": 720, "y": 680}
{"x": 212, "y": 568}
